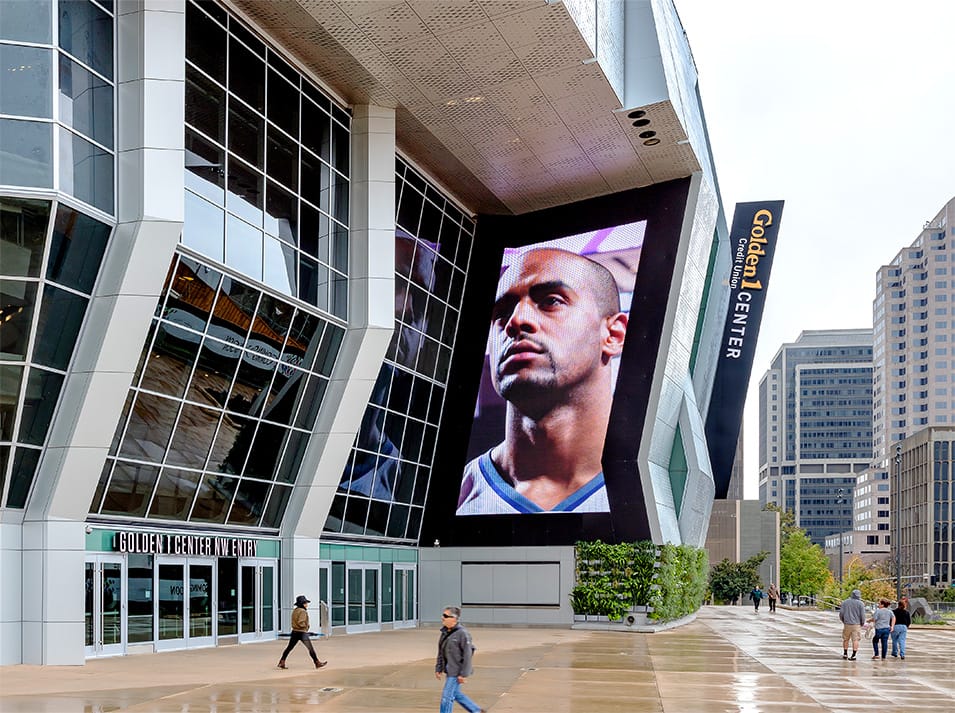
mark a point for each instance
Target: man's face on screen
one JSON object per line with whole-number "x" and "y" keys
{"x": 546, "y": 331}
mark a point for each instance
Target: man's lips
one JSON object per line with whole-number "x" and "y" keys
{"x": 519, "y": 351}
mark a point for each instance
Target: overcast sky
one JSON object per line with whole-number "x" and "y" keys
{"x": 846, "y": 111}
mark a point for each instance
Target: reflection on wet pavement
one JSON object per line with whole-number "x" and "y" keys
{"x": 727, "y": 660}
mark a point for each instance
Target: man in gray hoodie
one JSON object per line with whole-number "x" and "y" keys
{"x": 852, "y": 616}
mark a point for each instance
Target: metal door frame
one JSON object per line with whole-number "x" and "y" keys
{"x": 98, "y": 648}
{"x": 365, "y": 625}
{"x": 402, "y": 623}
{"x": 258, "y": 634}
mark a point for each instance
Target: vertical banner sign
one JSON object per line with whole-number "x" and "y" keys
{"x": 753, "y": 241}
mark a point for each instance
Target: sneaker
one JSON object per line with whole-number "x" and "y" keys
{"x": 852, "y": 658}
{"x": 895, "y": 656}
{"x": 875, "y": 657}
{"x": 319, "y": 664}
{"x": 281, "y": 664}
{"x": 845, "y": 656}
{"x": 903, "y": 657}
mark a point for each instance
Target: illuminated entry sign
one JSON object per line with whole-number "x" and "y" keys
{"x": 155, "y": 543}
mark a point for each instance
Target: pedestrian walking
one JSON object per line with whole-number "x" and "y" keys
{"x": 300, "y": 632}
{"x": 454, "y": 661}
{"x": 757, "y": 596}
{"x": 903, "y": 620}
{"x": 773, "y": 594}
{"x": 852, "y": 616}
{"x": 883, "y": 621}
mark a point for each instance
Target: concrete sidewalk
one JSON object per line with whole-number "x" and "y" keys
{"x": 729, "y": 659}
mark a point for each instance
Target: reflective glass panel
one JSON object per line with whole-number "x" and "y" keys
{"x": 10, "y": 378}
{"x": 17, "y": 301}
{"x": 283, "y": 103}
{"x": 266, "y": 450}
{"x": 86, "y": 32}
{"x": 281, "y": 214}
{"x": 26, "y": 153}
{"x": 167, "y": 369}
{"x": 205, "y": 43}
{"x": 76, "y": 249}
{"x": 232, "y": 444}
{"x": 244, "y": 248}
{"x": 86, "y": 171}
{"x": 130, "y": 488}
{"x": 27, "y": 88}
{"x": 280, "y": 262}
{"x": 244, "y": 197}
{"x": 204, "y": 228}
{"x": 86, "y": 102}
{"x": 212, "y": 380}
{"x": 192, "y": 294}
{"x": 278, "y": 501}
{"x": 25, "y": 461}
{"x": 246, "y": 74}
{"x": 192, "y": 440}
{"x": 205, "y": 167}
{"x": 23, "y": 225}
{"x": 205, "y": 105}
{"x": 171, "y": 601}
{"x": 213, "y": 499}
{"x": 174, "y": 493}
{"x": 227, "y": 603}
{"x": 247, "y": 134}
{"x": 234, "y": 310}
{"x": 61, "y": 316}
{"x": 30, "y": 21}
{"x": 249, "y": 502}
{"x": 149, "y": 428}
{"x": 39, "y": 401}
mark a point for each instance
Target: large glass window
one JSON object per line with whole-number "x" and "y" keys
{"x": 222, "y": 404}
{"x": 281, "y": 150}
{"x": 45, "y": 287}
{"x": 74, "y": 70}
{"x": 385, "y": 481}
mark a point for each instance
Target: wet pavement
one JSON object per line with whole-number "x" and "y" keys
{"x": 727, "y": 660}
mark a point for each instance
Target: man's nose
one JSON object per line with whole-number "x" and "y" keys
{"x": 523, "y": 319}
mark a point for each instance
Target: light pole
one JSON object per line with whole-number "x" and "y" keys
{"x": 898, "y": 522}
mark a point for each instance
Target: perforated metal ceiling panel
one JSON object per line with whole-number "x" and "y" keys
{"x": 497, "y": 99}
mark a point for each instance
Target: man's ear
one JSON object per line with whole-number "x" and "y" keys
{"x": 615, "y": 335}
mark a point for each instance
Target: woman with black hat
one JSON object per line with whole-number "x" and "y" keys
{"x": 300, "y": 632}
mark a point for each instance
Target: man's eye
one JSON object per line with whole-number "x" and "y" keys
{"x": 552, "y": 301}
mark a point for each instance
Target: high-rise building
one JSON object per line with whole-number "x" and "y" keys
{"x": 913, "y": 323}
{"x": 815, "y": 427}
{"x": 249, "y": 254}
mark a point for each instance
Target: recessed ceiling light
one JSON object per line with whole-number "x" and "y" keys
{"x": 647, "y": 134}
{"x": 641, "y": 122}
{"x": 651, "y": 142}
{"x": 638, "y": 114}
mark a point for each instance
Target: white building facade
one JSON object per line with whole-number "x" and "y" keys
{"x": 236, "y": 241}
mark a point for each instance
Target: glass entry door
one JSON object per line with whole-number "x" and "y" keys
{"x": 405, "y": 596}
{"x": 257, "y": 600}
{"x": 105, "y": 606}
{"x": 184, "y": 613}
{"x": 363, "y": 597}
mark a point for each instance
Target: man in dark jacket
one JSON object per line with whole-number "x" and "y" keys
{"x": 454, "y": 660}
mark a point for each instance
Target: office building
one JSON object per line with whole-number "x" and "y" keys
{"x": 923, "y": 520}
{"x": 815, "y": 427}
{"x": 244, "y": 247}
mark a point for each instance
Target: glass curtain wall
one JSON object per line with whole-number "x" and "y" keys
{"x": 383, "y": 488}
{"x": 50, "y": 257}
{"x": 267, "y": 164}
{"x": 58, "y": 90}
{"x": 222, "y": 405}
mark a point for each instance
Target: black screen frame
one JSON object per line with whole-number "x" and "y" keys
{"x": 663, "y": 208}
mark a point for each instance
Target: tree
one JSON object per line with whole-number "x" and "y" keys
{"x": 728, "y": 580}
{"x": 803, "y": 566}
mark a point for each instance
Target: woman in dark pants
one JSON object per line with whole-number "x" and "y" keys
{"x": 300, "y": 632}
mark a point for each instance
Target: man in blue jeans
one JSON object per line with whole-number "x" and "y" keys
{"x": 454, "y": 661}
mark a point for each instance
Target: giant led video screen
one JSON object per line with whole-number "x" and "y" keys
{"x": 557, "y": 329}
{"x": 552, "y": 372}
